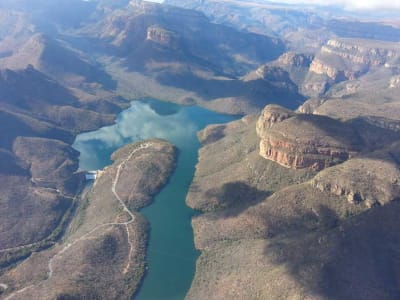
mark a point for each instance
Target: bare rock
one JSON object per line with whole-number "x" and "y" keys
{"x": 271, "y": 115}
{"x": 295, "y": 59}
{"x": 372, "y": 180}
{"x": 307, "y": 141}
{"x": 162, "y": 36}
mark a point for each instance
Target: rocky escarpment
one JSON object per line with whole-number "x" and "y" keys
{"x": 295, "y": 59}
{"x": 162, "y": 36}
{"x": 347, "y": 59}
{"x": 362, "y": 51}
{"x": 271, "y": 232}
{"x": 271, "y": 115}
{"x": 352, "y": 58}
{"x": 378, "y": 178}
{"x": 305, "y": 141}
{"x": 288, "y": 70}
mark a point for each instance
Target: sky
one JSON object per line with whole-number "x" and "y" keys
{"x": 347, "y": 4}
{"x": 353, "y": 4}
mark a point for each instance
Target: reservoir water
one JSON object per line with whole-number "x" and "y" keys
{"x": 171, "y": 255}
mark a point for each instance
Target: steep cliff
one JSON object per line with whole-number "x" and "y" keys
{"x": 305, "y": 141}
{"x": 373, "y": 179}
{"x": 267, "y": 231}
{"x": 162, "y": 36}
{"x": 348, "y": 59}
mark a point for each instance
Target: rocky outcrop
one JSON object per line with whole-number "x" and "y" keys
{"x": 295, "y": 59}
{"x": 367, "y": 52}
{"x": 321, "y": 68}
{"x": 343, "y": 59}
{"x": 271, "y": 115}
{"x": 347, "y": 59}
{"x": 305, "y": 141}
{"x": 162, "y": 36}
{"x": 309, "y": 106}
{"x": 373, "y": 180}
{"x": 266, "y": 230}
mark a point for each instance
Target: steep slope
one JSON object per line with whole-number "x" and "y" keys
{"x": 57, "y": 60}
{"x": 35, "y": 199}
{"x": 269, "y": 231}
{"x": 140, "y": 27}
{"x": 305, "y": 28}
{"x": 107, "y": 240}
{"x": 186, "y": 56}
{"x": 341, "y": 68}
{"x": 31, "y": 93}
{"x": 317, "y": 141}
{"x": 348, "y": 59}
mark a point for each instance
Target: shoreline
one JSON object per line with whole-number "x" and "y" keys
{"x": 103, "y": 228}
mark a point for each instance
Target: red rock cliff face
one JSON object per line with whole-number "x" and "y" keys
{"x": 162, "y": 36}
{"x": 305, "y": 141}
{"x": 346, "y": 59}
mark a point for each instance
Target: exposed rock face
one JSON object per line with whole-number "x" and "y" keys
{"x": 346, "y": 59}
{"x": 378, "y": 179}
{"x": 305, "y": 141}
{"x": 295, "y": 59}
{"x": 319, "y": 67}
{"x": 310, "y": 106}
{"x": 162, "y": 36}
{"x": 271, "y": 115}
{"x": 370, "y": 54}
{"x": 268, "y": 232}
{"x": 219, "y": 181}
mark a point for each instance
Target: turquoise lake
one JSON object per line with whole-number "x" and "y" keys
{"x": 171, "y": 255}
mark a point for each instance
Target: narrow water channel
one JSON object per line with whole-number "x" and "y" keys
{"x": 171, "y": 255}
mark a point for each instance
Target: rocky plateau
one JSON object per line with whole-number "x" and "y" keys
{"x": 305, "y": 141}
{"x": 264, "y": 232}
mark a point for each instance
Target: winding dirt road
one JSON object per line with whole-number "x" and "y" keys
{"x": 86, "y": 235}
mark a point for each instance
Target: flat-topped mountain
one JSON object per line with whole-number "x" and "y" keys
{"x": 203, "y": 44}
{"x": 305, "y": 141}
{"x": 190, "y": 58}
{"x": 270, "y": 231}
{"x": 53, "y": 87}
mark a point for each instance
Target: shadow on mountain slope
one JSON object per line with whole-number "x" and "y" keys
{"x": 358, "y": 259}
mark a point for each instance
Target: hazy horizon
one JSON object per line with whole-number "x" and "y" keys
{"x": 352, "y": 4}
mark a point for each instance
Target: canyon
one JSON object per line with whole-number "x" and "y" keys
{"x": 296, "y": 198}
